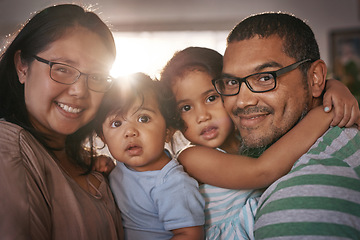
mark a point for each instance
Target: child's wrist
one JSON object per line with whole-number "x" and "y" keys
{"x": 320, "y": 113}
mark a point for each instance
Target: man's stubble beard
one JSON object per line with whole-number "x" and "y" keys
{"x": 263, "y": 144}
{"x": 255, "y": 152}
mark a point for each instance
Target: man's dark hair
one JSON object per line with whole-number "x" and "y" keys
{"x": 298, "y": 39}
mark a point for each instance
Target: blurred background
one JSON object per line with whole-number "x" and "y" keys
{"x": 148, "y": 32}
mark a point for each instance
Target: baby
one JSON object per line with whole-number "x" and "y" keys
{"x": 157, "y": 199}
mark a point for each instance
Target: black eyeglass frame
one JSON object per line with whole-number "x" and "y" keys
{"x": 50, "y": 63}
{"x": 275, "y": 74}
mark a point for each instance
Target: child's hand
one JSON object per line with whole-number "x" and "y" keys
{"x": 346, "y": 107}
{"x": 104, "y": 164}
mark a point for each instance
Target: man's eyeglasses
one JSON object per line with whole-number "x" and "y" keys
{"x": 68, "y": 75}
{"x": 257, "y": 82}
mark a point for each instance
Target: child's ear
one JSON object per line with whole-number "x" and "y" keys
{"x": 21, "y": 67}
{"x": 169, "y": 133}
{"x": 317, "y": 77}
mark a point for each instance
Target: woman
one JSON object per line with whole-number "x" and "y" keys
{"x": 53, "y": 77}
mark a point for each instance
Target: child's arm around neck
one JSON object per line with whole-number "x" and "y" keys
{"x": 240, "y": 172}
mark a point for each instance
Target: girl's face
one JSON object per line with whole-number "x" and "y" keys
{"x": 137, "y": 138}
{"x": 56, "y": 109}
{"x": 206, "y": 121}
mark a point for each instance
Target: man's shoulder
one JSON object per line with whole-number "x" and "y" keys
{"x": 340, "y": 143}
{"x": 322, "y": 188}
{"x": 333, "y": 158}
{"x": 341, "y": 135}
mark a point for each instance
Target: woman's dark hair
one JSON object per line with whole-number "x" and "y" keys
{"x": 189, "y": 59}
{"x": 35, "y": 36}
{"x": 119, "y": 99}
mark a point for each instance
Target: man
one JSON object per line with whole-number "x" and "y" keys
{"x": 320, "y": 197}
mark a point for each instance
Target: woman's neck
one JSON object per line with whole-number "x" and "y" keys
{"x": 64, "y": 162}
{"x": 88, "y": 182}
{"x": 52, "y": 139}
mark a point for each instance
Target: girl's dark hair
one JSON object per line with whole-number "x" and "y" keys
{"x": 35, "y": 36}
{"x": 204, "y": 59}
{"x": 191, "y": 58}
{"x": 125, "y": 91}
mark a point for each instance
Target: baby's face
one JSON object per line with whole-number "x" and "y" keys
{"x": 206, "y": 121}
{"x": 137, "y": 137}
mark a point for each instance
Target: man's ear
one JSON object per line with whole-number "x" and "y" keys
{"x": 21, "y": 67}
{"x": 169, "y": 133}
{"x": 317, "y": 77}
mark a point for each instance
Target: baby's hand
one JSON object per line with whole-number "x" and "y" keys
{"x": 346, "y": 107}
{"x": 104, "y": 164}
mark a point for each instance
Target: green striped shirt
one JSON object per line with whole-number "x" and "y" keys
{"x": 320, "y": 197}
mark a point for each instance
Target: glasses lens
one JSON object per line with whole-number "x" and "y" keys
{"x": 64, "y": 74}
{"x": 227, "y": 86}
{"x": 261, "y": 82}
{"x": 68, "y": 75}
{"x": 219, "y": 86}
{"x": 99, "y": 82}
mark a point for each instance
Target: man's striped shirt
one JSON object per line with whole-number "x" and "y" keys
{"x": 320, "y": 197}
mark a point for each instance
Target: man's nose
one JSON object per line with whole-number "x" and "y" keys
{"x": 246, "y": 97}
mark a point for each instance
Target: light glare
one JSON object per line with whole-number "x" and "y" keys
{"x": 148, "y": 52}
